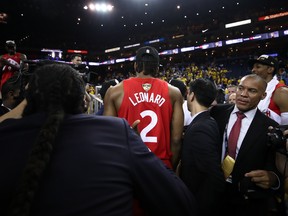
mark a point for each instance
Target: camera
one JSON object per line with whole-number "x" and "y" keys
{"x": 276, "y": 137}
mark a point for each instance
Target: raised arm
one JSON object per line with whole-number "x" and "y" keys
{"x": 281, "y": 99}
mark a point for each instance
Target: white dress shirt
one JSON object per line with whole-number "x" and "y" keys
{"x": 246, "y": 122}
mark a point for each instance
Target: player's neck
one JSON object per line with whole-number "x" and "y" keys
{"x": 268, "y": 79}
{"x": 142, "y": 75}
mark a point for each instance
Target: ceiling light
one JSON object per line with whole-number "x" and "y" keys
{"x": 103, "y": 7}
{"x": 92, "y": 7}
{"x": 100, "y": 7}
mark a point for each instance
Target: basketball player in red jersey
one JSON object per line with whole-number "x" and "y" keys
{"x": 157, "y": 104}
{"x": 275, "y": 104}
{"x": 10, "y": 62}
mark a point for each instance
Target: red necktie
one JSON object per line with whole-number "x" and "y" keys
{"x": 234, "y": 134}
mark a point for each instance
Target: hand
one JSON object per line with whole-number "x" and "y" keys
{"x": 263, "y": 178}
{"x": 135, "y": 126}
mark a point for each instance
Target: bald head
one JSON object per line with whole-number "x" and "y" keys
{"x": 262, "y": 83}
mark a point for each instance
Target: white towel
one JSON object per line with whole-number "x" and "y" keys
{"x": 263, "y": 104}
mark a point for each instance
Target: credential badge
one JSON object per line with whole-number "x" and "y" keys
{"x": 146, "y": 86}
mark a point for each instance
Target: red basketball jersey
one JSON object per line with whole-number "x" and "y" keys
{"x": 8, "y": 71}
{"x": 148, "y": 100}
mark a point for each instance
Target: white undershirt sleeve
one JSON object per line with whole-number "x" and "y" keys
{"x": 284, "y": 118}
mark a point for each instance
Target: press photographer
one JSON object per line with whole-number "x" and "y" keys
{"x": 83, "y": 69}
{"x": 278, "y": 140}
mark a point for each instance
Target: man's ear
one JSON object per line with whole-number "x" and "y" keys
{"x": 190, "y": 96}
{"x": 271, "y": 70}
{"x": 10, "y": 94}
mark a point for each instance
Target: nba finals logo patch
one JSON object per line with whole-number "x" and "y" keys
{"x": 146, "y": 86}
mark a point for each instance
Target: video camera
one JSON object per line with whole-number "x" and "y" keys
{"x": 276, "y": 138}
{"x": 87, "y": 75}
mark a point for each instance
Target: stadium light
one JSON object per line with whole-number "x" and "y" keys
{"x": 100, "y": 7}
{"x": 239, "y": 23}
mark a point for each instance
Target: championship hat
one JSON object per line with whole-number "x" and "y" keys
{"x": 265, "y": 60}
{"x": 147, "y": 54}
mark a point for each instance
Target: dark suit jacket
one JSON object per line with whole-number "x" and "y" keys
{"x": 97, "y": 167}
{"x": 3, "y": 110}
{"x": 254, "y": 154}
{"x": 201, "y": 162}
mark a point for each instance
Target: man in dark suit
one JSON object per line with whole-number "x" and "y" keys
{"x": 201, "y": 157}
{"x": 254, "y": 179}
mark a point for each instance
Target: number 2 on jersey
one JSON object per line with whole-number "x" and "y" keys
{"x": 149, "y": 127}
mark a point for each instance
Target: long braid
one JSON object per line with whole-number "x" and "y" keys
{"x": 48, "y": 95}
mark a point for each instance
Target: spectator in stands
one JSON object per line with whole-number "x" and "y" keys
{"x": 232, "y": 98}
{"x": 275, "y": 105}
{"x": 154, "y": 102}
{"x": 282, "y": 74}
{"x": 252, "y": 178}
{"x": 183, "y": 89}
{"x": 10, "y": 62}
{"x": 63, "y": 162}
{"x": 200, "y": 156}
{"x": 10, "y": 94}
{"x": 230, "y": 89}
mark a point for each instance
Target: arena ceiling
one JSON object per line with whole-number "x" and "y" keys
{"x": 65, "y": 24}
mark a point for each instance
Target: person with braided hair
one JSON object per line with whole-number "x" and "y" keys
{"x": 57, "y": 160}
